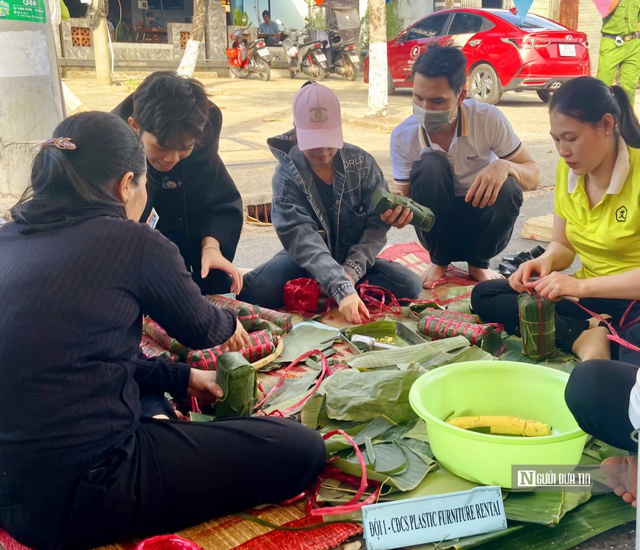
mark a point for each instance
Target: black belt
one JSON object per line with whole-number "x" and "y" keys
{"x": 621, "y": 38}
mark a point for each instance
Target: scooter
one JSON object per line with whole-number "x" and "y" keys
{"x": 342, "y": 57}
{"x": 307, "y": 58}
{"x": 246, "y": 58}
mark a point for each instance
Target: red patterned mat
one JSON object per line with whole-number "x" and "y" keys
{"x": 416, "y": 258}
{"x": 235, "y": 533}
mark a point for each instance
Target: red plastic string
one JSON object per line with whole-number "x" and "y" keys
{"x": 614, "y": 336}
{"x": 304, "y": 356}
{"x": 354, "y": 504}
{"x": 385, "y": 302}
{"x": 167, "y": 542}
{"x": 624, "y": 316}
{"x": 194, "y": 405}
{"x": 303, "y": 296}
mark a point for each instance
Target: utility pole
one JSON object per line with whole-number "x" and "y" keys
{"x": 378, "y": 68}
{"x": 100, "y": 39}
{"x": 31, "y": 103}
{"x": 190, "y": 57}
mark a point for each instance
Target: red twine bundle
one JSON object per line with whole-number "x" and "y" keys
{"x": 303, "y": 296}
{"x": 167, "y": 542}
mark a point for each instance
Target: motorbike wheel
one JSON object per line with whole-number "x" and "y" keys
{"x": 264, "y": 71}
{"x": 317, "y": 72}
{"x": 350, "y": 71}
{"x": 238, "y": 72}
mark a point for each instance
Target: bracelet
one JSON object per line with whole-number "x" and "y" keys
{"x": 211, "y": 246}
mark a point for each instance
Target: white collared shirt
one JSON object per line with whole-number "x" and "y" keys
{"x": 483, "y": 135}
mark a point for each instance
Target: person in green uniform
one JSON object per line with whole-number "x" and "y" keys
{"x": 620, "y": 46}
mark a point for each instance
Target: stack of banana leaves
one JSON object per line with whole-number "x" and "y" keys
{"x": 367, "y": 397}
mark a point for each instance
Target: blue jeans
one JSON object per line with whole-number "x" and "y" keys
{"x": 264, "y": 285}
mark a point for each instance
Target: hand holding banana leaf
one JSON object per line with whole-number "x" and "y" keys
{"x": 202, "y": 384}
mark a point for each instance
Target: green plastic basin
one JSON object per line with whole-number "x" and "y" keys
{"x": 496, "y": 388}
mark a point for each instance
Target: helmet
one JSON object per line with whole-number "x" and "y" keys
{"x": 245, "y": 31}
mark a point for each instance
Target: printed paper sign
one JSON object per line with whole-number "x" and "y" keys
{"x": 23, "y": 10}
{"x": 432, "y": 519}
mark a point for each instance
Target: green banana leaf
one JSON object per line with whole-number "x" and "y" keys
{"x": 418, "y": 353}
{"x": 361, "y": 396}
{"x": 513, "y": 352}
{"x": 239, "y": 383}
{"x": 598, "y": 515}
{"x": 304, "y": 337}
{"x": 545, "y": 508}
{"x": 293, "y": 388}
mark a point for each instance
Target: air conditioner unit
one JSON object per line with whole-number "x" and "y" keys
{"x": 143, "y": 4}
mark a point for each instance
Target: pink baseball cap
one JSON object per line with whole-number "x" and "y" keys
{"x": 316, "y": 114}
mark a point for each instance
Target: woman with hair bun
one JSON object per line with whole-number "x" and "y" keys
{"x": 82, "y": 463}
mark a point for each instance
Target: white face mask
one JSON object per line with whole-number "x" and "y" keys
{"x": 433, "y": 121}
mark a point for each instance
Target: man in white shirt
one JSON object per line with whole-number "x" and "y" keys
{"x": 463, "y": 160}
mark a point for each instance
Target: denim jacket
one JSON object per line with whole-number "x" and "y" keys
{"x": 360, "y": 234}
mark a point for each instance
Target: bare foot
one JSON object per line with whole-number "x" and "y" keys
{"x": 592, "y": 344}
{"x": 622, "y": 476}
{"x": 481, "y": 274}
{"x": 432, "y": 274}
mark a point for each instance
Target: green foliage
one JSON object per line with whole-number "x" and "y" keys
{"x": 240, "y": 18}
{"x": 394, "y": 24}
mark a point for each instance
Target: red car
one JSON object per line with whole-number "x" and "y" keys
{"x": 502, "y": 53}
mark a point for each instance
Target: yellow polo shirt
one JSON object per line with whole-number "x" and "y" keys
{"x": 606, "y": 237}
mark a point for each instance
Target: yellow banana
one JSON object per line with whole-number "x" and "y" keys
{"x": 501, "y": 425}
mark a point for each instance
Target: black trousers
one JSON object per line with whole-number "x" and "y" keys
{"x": 496, "y": 302}
{"x": 169, "y": 475}
{"x": 461, "y": 231}
{"x": 598, "y": 396}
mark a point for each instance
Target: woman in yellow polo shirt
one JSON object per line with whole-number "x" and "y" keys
{"x": 597, "y": 217}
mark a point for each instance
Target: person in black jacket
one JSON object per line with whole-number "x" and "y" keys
{"x": 81, "y": 466}
{"x": 197, "y": 202}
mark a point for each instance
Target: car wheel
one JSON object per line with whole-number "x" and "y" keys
{"x": 544, "y": 95}
{"x": 484, "y": 85}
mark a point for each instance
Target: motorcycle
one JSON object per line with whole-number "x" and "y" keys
{"x": 307, "y": 58}
{"x": 246, "y": 57}
{"x": 342, "y": 56}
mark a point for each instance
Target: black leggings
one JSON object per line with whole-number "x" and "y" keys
{"x": 169, "y": 475}
{"x": 597, "y": 394}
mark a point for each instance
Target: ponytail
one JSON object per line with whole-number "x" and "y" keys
{"x": 629, "y": 125}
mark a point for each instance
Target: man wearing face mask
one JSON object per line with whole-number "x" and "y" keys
{"x": 463, "y": 160}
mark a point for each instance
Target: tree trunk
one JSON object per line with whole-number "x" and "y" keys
{"x": 100, "y": 38}
{"x": 190, "y": 56}
{"x": 101, "y": 53}
{"x": 378, "y": 68}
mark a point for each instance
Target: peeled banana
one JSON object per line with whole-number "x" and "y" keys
{"x": 502, "y": 425}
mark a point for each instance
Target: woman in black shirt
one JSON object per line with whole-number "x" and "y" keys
{"x": 80, "y": 466}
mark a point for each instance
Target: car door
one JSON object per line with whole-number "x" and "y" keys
{"x": 464, "y": 32}
{"x": 410, "y": 44}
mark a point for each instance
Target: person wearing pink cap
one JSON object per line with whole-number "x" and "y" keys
{"x": 322, "y": 213}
